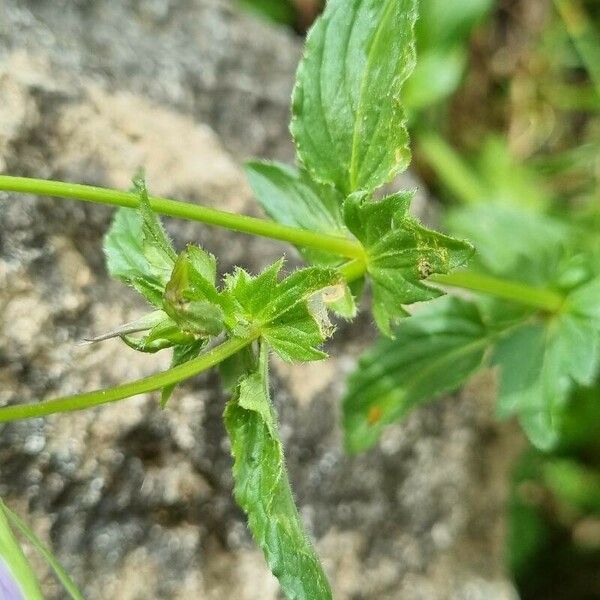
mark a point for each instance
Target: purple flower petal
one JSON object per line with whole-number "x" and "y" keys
{"x": 9, "y": 590}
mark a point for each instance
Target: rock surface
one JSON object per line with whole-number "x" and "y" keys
{"x": 137, "y": 501}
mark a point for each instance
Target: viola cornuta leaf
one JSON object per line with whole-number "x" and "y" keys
{"x": 542, "y": 361}
{"x": 137, "y": 249}
{"x": 433, "y": 352}
{"x": 158, "y": 249}
{"x": 289, "y": 196}
{"x": 400, "y": 253}
{"x": 291, "y": 314}
{"x": 263, "y": 490}
{"x": 348, "y": 122}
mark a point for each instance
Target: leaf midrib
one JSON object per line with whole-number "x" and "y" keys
{"x": 466, "y": 349}
{"x": 359, "y": 109}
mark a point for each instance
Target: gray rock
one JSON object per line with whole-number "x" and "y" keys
{"x": 137, "y": 501}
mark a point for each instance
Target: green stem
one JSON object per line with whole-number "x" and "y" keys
{"x": 185, "y": 210}
{"x": 127, "y": 390}
{"x": 352, "y": 270}
{"x": 453, "y": 171}
{"x": 515, "y": 291}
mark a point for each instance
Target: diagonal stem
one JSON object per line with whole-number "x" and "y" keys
{"x": 186, "y": 210}
{"x": 127, "y": 390}
{"x": 540, "y": 298}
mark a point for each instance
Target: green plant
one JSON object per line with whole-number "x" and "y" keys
{"x": 535, "y": 309}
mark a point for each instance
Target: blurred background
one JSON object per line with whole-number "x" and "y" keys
{"x": 504, "y": 108}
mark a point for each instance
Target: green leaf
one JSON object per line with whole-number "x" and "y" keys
{"x": 585, "y": 301}
{"x": 181, "y": 354}
{"x": 541, "y": 362}
{"x": 530, "y": 382}
{"x": 137, "y": 249}
{"x": 157, "y": 246}
{"x": 235, "y": 367}
{"x": 433, "y": 352}
{"x": 347, "y": 116}
{"x": 263, "y": 490}
{"x": 437, "y": 74}
{"x": 536, "y": 243}
{"x": 401, "y": 253}
{"x": 14, "y": 568}
{"x": 574, "y": 483}
{"x": 343, "y": 302}
{"x": 290, "y": 315}
{"x": 290, "y": 197}
{"x": 443, "y": 24}
{"x": 52, "y": 561}
{"x": 191, "y": 298}
{"x": 280, "y": 11}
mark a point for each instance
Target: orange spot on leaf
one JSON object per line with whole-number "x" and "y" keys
{"x": 374, "y": 415}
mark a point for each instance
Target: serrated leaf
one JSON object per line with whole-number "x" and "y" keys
{"x": 181, "y": 354}
{"x": 158, "y": 249}
{"x": 434, "y": 352}
{"x": 540, "y": 363}
{"x": 191, "y": 298}
{"x": 263, "y": 490}
{"x": 137, "y": 249}
{"x": 17, "y": 579}
{"x": 348, "y": 122}
{"x": 125, "y": 260}
{"x": 289, "y": 314}
{"x": 401, "y": 253}
{"x": 290, "y": 197}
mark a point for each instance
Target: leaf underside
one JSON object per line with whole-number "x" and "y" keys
{"x": 433, "y": 352}
{"x": 263, "y": 490}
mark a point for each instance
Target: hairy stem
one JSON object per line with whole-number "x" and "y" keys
{"x": 353, "y": 270}
{"x": 185, "y": 210}
{"x": 127, "y": 390}
{"x": 540, "y": 298}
